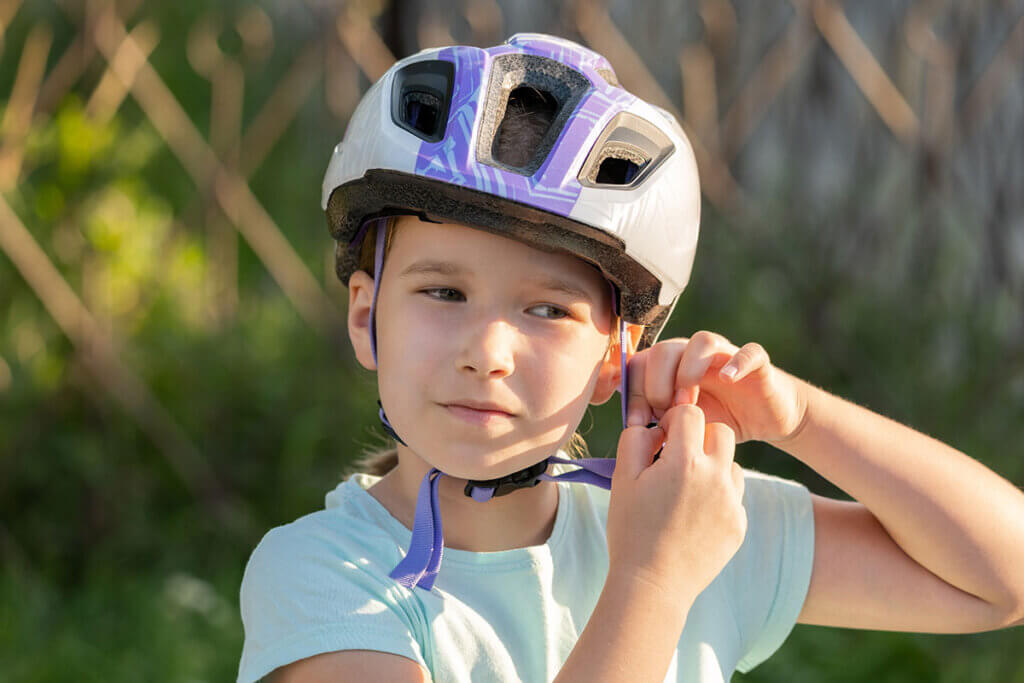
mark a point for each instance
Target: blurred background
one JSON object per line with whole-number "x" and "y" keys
{"x": 175, "y": 378}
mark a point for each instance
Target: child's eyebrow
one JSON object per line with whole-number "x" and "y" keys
{"x": 557, "y": 285}
{"x": 450, "y": 269}
{"x": 435, "y": 267}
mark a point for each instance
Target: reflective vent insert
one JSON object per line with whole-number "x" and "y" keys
{"x": 421, "y": 111}
{"x": 628, "y": 150}
{"x": 421, "y": 96}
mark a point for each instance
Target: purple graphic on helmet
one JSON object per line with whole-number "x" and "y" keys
{"x": 554, "y": 187}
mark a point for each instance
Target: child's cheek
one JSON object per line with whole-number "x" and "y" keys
{"x": 426, "y": 352}
{"x": 410, "y": 336}
{"x": 566, "y": 370}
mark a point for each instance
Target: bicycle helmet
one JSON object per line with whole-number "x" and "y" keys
{"x": 612, "y": 181}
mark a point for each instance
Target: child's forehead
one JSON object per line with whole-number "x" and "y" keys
{"x": 479, "y": 250}
{"x": 415, "y": 234}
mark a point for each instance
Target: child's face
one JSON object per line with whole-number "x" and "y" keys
{"x": 464, "y": 315}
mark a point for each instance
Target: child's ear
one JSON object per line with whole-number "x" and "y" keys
{"x": 609, "y": 379}
{"x": 360, "y": 297}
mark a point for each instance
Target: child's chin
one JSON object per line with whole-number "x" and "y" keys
{"x": 464, "y": 462}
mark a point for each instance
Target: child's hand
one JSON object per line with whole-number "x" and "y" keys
{"x": 675, "y": 522}
{"x": 759, "y": 402}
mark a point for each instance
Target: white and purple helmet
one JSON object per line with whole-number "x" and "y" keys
{"x": 613, "y": 180}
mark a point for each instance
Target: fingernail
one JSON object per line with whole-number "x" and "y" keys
{"x": 681, "y": 396}
{"x": 729, "y": 371}
{"x": 635, "y": 418}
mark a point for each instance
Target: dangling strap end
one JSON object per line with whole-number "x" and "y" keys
{"x": 422, "y": 562}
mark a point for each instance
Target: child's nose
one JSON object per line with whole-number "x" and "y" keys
{"x": 489, "y": 350}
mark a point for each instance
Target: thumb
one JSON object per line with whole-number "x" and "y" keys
{"x": 637, "y": 446}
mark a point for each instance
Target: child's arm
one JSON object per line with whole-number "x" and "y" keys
{"x": 350, "y": 666}
{"x": 675, "y": 517}
{"x": 952, "y": 559}
{"x": 934, "y": 541}
{"x": 630, "y": 636}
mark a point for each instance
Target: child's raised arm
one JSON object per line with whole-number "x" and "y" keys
{"x": 933, "y": 543}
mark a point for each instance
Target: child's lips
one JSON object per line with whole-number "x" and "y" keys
{"x": 476, "y": 415}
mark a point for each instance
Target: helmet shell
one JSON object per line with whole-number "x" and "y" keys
{"x": 639, "y": 228}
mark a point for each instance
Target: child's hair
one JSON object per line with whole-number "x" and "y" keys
{"x": 527, "y": 117}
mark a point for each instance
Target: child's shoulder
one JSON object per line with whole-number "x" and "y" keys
{"x": 320, "y": 583}
{"x": 348, "y": 530}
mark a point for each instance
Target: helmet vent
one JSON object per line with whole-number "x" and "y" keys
{"x": 625, "y": 154}
{"x": 528, "y": 102}
{"x": 617, "y": 172}
{"x": 421, "y": 96}
{"x": 528, "y": 116}
{"x": 421, "y": 111}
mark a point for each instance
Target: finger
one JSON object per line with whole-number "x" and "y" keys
{"x": 659, "y": 380}
{"x": 687, "y": 395}
{"x": 637, "y": 446}
{"x": 751, "y": 358}
{"x": 638, "y": 411}
{"x": 738, "y": 480}
{"x": 684, "y": 433}
{"x": 720, "y": 442}
{"x": 704, "y": 348}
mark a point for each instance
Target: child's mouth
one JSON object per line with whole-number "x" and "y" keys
{"x": 476, "y": 416}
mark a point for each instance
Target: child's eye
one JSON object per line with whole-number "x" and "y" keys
{"x": 451, "y": 294}
{"x": 558, "y": 313}
{"x": 443, "y": 293}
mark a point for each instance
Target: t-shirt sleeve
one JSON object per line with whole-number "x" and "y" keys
{"x": 300, "y": 597}
{"x": 771, "y": 571}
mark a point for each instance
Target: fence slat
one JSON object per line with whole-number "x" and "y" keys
{"x": 101, "y": 356}
{"x": 18, "y": 112}
{"x": 867, "y": 73}
{"x": 262, "y": 234}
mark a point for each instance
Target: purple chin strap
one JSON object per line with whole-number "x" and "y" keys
{"x": 422, "y": 563}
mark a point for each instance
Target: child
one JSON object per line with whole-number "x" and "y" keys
{"x": 512, "y": 225}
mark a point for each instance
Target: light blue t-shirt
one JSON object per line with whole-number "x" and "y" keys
{"x": 321, "y": 584}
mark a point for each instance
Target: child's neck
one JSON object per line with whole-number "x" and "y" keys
{"x": 522, "y": 518}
